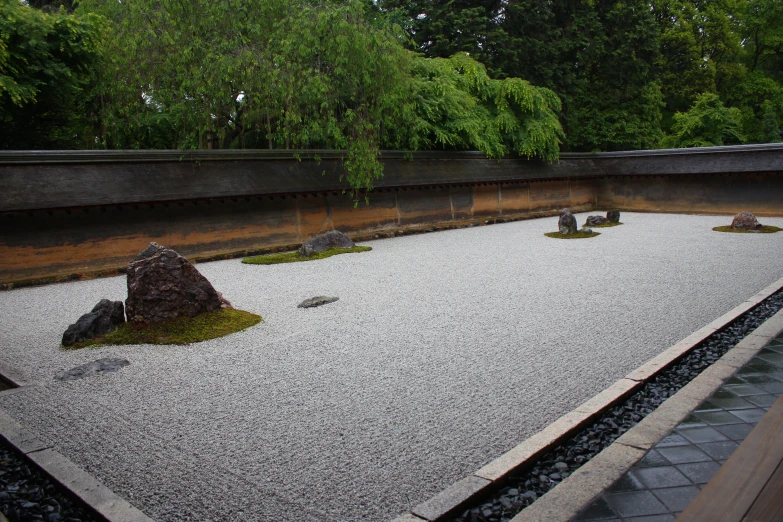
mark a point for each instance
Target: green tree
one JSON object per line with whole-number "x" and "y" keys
{"x": 707, "y": 123}
{"x": 770, "y": 128}
{"x": 45, "y": 62}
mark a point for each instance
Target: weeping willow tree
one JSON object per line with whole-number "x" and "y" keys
{"x": 302, "y": 75}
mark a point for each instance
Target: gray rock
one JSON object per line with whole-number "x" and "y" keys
{"x": 561, "y": 466}
{"x": 150, "y": 251}
{"x": 317, "y": 301}
{"x": 613, "y": 216}
{"x": 104, "y": 318}
{"x": 567, "y": 222}
{"x": 105, "y": 365}
{"x": 166, "y": 286}
{"x": 745, "y": 221}
{"x": 586, "y": 230}
{"x": 596, "y": 220}
{"x": 332, "y": 239}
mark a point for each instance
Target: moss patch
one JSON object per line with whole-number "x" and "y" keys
{"x": 766, "y": 229}
{"x": 184, "y": 330}
{"x": 605, "y": 225}
{"x": 578, "y": 235}
{"x": 295, "y": 257}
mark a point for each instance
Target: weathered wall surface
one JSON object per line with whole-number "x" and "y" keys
{"x": 75, "y": 214}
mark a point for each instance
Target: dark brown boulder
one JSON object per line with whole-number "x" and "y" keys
{"x": 332, "y": 239}
{"x": 745, "y": 221}
{"x": 166, "y": 286}
{"x": 567, "y": 222}
{"x": 596, "y": 220}
{"x": 104, "y": 318}
{"x": 613, "y": 216}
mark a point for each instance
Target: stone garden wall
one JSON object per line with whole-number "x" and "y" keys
{"x": 84, "y": 213}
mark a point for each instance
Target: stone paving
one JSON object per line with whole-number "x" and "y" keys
{"x": 665, "y": 481}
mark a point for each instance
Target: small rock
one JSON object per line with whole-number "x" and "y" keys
{"x": 613, "y": 216}
{"x": 332, "y": 239}
{"x": 104, "y": 318}
{"x": 561, "y": 466}
{"x": 586, "y": 230}
{"x": 596, "y": 220}
{"x": 105, "y": 365}
{"x": 567, "y": 223}
{"x": 513, "y": 492}
{"x": 745, "y": 221}
{"x": 317, "y": 301}
{"x": 554, "y": 476}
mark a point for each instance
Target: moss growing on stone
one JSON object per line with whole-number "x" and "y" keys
{"x": 578, "y": 235}
{"x": 184, "y": 330}
{"x": 295, "y": 257}
{"x": 766, "y": 229}
{"x": 605, "y": 225}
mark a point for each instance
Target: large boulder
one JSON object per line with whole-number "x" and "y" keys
{"x": 104, "y": 318}
{"x": 596, "y": 220}
{"x": 613, "y": 216}
{"x": 332, "y": 239}
{"x": 166, "y": 286}
{"x": 745, "y": 221}
{"x": 567, "y": 223}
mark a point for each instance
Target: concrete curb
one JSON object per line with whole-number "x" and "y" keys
{"x": 578, "y": 491}
{"x": 92, "y": 492}
{"x": 456, "y": 496}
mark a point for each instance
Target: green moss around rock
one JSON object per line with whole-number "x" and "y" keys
{"x": 578, "y": 235}
{"x": 605, "y": 225}
{"x": 184, "y": 330}
{"x": 766, "y": 229}
{"x": 295, "y": 257}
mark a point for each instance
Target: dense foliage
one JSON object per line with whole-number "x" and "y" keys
{"x": 366, "y": 75}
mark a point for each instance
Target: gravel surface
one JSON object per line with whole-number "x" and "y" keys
{"x": 444, "y": 351}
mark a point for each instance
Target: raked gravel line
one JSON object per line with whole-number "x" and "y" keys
{"x": 444, "y": 351}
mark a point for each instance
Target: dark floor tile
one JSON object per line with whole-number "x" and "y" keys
{"x": 684, "y": 454}
{"x": 778, "y": 348}
{"x": 719, "y": 450}
{"x": 652, "y": 518}
{"x": 751, "y": 416}
{"x": 772, "y": 387}
{"x": 717, "y": 418}
{"x": 626, "y": 483}
{"x": 743, "y": 390}
{"x": 699, "y": 472}
{"x": 760, "y": 378}
{"x": 636, "y": 504}
{"x": 598, "y": 510}
{"x": 672, "y": 439}
{"x": 653, "y": 459}
{"x": 777, "y": 375}
{"x": 736, "y": 432}
{"x": 734, "y": 380}
{"x": 663, "y": 477}
{"x": 734, "y": 403}
{"x": 707, "y": 406}
{"x": 764, "y": 401}
{"x": 677, "y": 499}
{"x": 723, "y": 393}
{"x": 693, "y": 422}
{"x": 759, "y": 366}
{"x": 770, "y": 356}
{"x": 704, "y": 434}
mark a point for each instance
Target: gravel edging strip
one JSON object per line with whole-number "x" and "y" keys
{"x": 62, "y": 470}
{"x": 491, "y": 476}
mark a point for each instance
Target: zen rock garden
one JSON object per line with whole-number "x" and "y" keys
{"x": 568, "y": 228}
{"x": 165, "y": 291}
{"x": 746, "y": 223}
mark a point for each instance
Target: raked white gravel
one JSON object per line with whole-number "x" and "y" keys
{"x": 444, "y": 351}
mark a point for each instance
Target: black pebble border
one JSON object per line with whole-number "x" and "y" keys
{"x": 523, "y": 489}
{"x": 27, "y": 494}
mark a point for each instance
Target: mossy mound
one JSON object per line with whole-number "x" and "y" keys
{"x": 605, "y": 225}
{"x": 295, "y": 257}
{"x": 578, "y": 235}
{"x": 184, "y": 330}
{"x": 766, "y": 229}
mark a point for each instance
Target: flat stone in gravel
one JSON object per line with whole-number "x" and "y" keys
{"x": 317, "y": 301}
{"x": 104, "y": 365}
{"x": 447, "y": 349}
